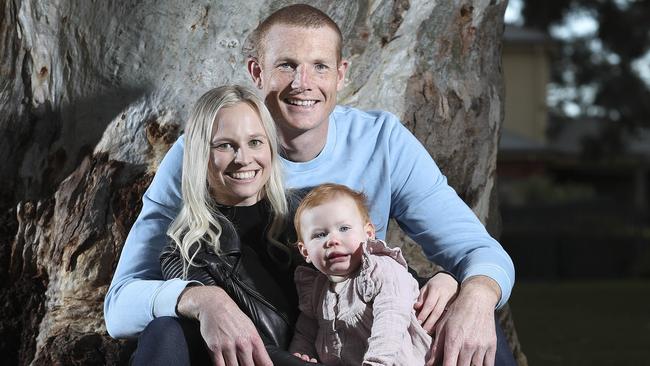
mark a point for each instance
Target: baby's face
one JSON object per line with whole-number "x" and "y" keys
{"x": 332, "y": 234}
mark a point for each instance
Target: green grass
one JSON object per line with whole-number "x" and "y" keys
{"x": 583, "y": 323}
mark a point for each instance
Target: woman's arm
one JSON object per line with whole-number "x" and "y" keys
{"x": 171, "y": 264}
{"x": 227, "y": 331}
{"x": 229, "y": 334}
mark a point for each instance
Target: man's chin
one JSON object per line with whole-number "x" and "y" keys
{"x": 300, "y": 123}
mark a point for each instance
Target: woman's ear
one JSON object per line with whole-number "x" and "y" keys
{"x": 303, "y": 250}
{"x": 370, "y": 230}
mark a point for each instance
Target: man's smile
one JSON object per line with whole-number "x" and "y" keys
{"x": 301, "y": 102}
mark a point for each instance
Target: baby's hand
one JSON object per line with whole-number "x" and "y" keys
{"x": 305, "y": 357}
{"x": 434, "y": 298}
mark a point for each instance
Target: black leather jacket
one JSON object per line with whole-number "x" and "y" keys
{"x": 239, "y": 271}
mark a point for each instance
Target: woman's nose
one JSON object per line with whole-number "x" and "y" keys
{"x": 242, "y": 157}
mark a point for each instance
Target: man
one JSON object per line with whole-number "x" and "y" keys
{"x": 295, "y": 61}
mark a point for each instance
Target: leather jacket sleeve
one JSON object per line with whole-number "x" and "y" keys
{"x": 171, "y": 264}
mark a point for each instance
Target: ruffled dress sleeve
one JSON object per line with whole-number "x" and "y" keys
{"x": 369, "y": 279}
{"x": 385, "y": 281}
{"x": 309, "y": 284}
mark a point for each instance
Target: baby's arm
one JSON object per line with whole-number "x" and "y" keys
{"x": 392, "y": 309}
{"x": 302, "y": 344}
{"x": 309, "y": 283}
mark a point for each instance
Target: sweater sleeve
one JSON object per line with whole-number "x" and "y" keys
{"x": 138, "y": 293}
{"x": 392, "y": 307}
{"x": 435, "y": 217}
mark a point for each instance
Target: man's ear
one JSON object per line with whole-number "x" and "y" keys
{"x": 341, "y": 71}
{"x": 303, "y": 250}
{"x": 255, "y": 71}
{"x": 370, "y": 230}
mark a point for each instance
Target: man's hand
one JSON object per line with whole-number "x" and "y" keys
{"x": 466, "y": 333}
{"x": 229, "y": 334}
{"x": 434, "y": 297}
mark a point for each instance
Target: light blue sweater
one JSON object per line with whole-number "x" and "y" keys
{"x": 367, "y": 151}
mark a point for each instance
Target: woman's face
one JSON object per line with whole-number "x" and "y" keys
{"x": 240, "y": 156}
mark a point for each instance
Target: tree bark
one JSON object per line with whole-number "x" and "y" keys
{"x": 94, "y": 93}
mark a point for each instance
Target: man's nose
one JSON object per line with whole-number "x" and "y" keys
{"x": 301, "y": 78}
{"x": 242, "y": 156}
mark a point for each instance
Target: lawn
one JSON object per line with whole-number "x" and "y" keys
{"x": 583, "y": 323}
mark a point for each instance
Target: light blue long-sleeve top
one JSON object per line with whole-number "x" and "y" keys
{"x": 370, "y": 152}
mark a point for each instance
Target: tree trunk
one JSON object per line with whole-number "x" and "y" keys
{"x": 94, "y": 93}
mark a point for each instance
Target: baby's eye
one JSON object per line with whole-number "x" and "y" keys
{"x": 344, "y": 228}
{"x": 319, "y": 235}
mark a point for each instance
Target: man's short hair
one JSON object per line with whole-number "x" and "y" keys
{"x": 298, "y": 15}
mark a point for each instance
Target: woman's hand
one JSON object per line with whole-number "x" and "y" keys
{"x": 305, "y": 357}
{"x": 434, "y": 298}
{"x": 230, "y": 335}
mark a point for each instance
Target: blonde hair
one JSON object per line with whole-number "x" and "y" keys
{"x": 199, "y": 222}
{"x": 326, "y": 192}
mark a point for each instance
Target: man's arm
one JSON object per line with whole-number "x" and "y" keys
{"x": 137, "y": 293}
{"x": 451, "y": 235}
{"x": 433, "y": 215}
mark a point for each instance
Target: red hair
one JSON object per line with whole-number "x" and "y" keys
{"x": 297, "y": 15}
{"x": 325, "y": 193}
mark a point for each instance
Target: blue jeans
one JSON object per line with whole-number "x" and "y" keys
{"x": 176, "y": 341}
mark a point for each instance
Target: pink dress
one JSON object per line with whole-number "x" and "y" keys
{"x": 367, "y": 319}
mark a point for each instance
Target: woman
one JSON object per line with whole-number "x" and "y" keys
{"x": 227, "y": 233}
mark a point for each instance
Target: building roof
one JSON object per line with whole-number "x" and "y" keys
{"x": 512, "y": 141}
{"x": 569, "y": 138}
{"x": 572, "y": 133}
{"x": 520, "y": 35}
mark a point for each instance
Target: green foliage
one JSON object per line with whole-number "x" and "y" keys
{"x": 596, "y": 71}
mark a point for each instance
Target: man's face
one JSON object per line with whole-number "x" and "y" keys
{"x": 299, "y": 75}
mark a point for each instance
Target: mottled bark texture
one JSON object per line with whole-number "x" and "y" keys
{"x": 93, "y": 93}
